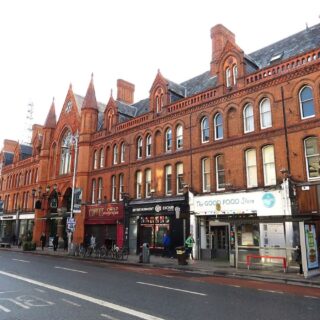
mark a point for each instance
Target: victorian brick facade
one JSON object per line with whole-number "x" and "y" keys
{"x": 248, "y": 123}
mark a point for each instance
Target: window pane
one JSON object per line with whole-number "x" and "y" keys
{"x": 269, "y": 166}
{"x": 205, "y": 130}
{"x": 265, "y": 113}
{"x": 251, "y": 166}
{"x": 306, "y": 101}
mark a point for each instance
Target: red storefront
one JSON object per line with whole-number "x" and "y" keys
{"x": 106, "y": 223}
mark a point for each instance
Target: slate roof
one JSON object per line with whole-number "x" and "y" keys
{"x": 199, "y": 83}
{"x": 298, "y": 43}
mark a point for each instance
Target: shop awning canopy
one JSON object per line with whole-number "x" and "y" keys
{"x": 253, "y": 218}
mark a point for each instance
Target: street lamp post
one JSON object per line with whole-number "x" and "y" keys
{"x": 74, "y": 140}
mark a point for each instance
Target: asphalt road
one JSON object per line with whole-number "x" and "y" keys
{"x": 36, "y": 287}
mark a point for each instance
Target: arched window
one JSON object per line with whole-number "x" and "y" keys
{"x": 228, "y": 77}
{"x": 168, "y": 176}
{"x": 168, "y": 139}
{"x": 205, "y": 168}
{"x": 122, "y": 152}
{"x": 139, "y": 148}
{"x": 115, "y": 154}
{"x": 100, "y": 189}
{"x": 95, "y": 160}
{"x": 138, "y": 184}
{"x": 306, "y": 102}
{"x": 179, "y": 137}
{"x": 113, "y": 188}
{"x": 148, "y": 183}
{"x": 269, "y": 170}
{"x": 65, "y": 154}
{"x": 93, "y": 191}
{"x": 158, "y": 108}
{"x": 218, "y": 127}
{"x": 251, "y": 168}
{"x": 235, "y": 74}
{"x": 312, "y": 156}
{"x": 204, "y": 130}
{"x": 179, "y": 178}
{"x": 220, "y": 174}
{"x": 101, "y": 158}
{"x": 248, "y": 118}
{"x": 265, "y": 114}
{"x": 121, "y": 186}
{"x": 148, "y": 145}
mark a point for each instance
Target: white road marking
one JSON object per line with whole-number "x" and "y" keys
{"x": 108, "y": 317}
{"x": 311, "y": 297}
{"x": 100, "y": 302}
{"x": 169, "y": 288}
{"x": 271, "y": 291}
{"x": 21, "y": 260}
{"x": 74, "y": 270}
{"x": 4, "y": 309}
{"x": 7, "y": 291}
{"x": 39, "y": 290}
{"x": 71, "y": 302}
{"x": 16, "y": 302}
{"x": 234, "y": 286}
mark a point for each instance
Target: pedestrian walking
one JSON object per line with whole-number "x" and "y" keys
{"x": 55, "y": 242}
{"x": 166, "y": 241}
{"x": 43, "y": 240}
{"x": 299, "y": 258}
{"x": 65, "y": 242}
{"x": 189, "y": 245}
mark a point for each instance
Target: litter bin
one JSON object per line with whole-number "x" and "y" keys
{"x": 145, "y": 253}
{"x": 181, "y": 255}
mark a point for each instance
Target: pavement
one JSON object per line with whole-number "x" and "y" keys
{"x": 208, "y": 267}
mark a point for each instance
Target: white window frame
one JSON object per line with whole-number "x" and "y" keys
{"x": 179, "y": 178}
{"x": 206, "y": 178}
{"x": 312, "y": 155}
{"x": 168, "y": 180}
{"x": 100, "y": 189}
{"x": 251, "y": 168}
{"x": 139, "y": 148}
{"x": 235, "y": 74}
{"x": 179, "y": 137}
{"x": 148, "y": 145}
{"x": 205, "y": 130}
{"x": 93, "y": 191}
{"x": 265, "y": 113}
{"x": 217, "y": 126}
{"x": 139, "y": 184}
{"x": 115, "y": 154}
{"x": 248, "y": 118}
{"x": 220, "y": 184}
{"x": 148, "y": 183}
{"x": 305, "y": 101}
{"x": 95, "y": 160}
{"x": 65, "y": 157}
{"x": 122, "y": 152}
{"x": 101, "y": 157}
{"x": 168, "y": 136}
{"x": 269, "y": 170}
{"x": 228, "y": 77}
{"x": 121, "y": 186}
{"x": 113, "y": 188}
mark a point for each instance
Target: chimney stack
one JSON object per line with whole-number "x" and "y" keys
{"x": 125, "y": 91}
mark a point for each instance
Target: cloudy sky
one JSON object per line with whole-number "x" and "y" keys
{"x": 46, "y": 45}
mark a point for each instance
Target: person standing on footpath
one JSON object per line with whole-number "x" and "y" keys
{"x": 55, "y": 242}
{"x": 189, "y": 245}
{"x": 166, "y": 245}
{"x": 43, "y": 240}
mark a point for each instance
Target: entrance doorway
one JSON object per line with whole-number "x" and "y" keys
{"x": 219, "y": 241}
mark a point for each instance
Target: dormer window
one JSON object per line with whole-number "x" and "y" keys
{"x": 276, "y": 57}
{"x": 159, "y": 100}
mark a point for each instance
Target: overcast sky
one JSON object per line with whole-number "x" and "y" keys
{"x": 46, "y": 45}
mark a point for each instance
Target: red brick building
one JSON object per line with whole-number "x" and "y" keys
{"x": 248, "y": 123}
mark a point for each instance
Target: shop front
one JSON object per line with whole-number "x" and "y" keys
{"x": 150, "y": 220}
{"x": 231, "y": 226}
{"x": 105, "y": 223}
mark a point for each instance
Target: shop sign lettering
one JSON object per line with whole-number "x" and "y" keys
{"x": 102, "y": 212}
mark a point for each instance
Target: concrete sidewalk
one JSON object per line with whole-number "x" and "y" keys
{"x": 208, "y": 267}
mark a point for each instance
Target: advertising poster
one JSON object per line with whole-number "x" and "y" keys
{"x": 311, "y": 246}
